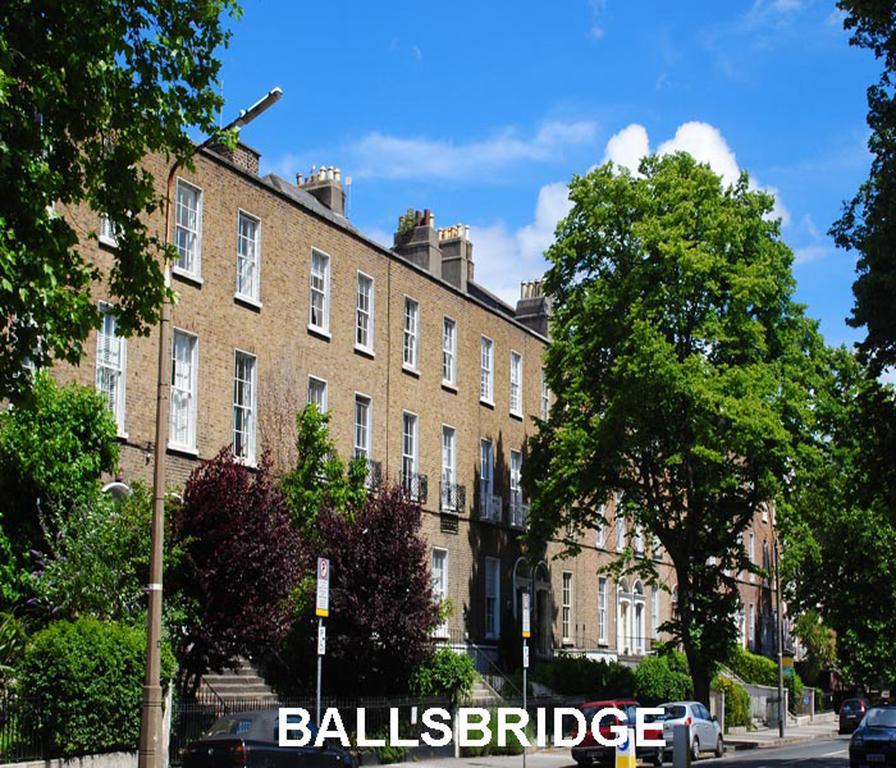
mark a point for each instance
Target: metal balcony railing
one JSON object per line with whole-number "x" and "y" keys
{"x": 374, "y": 474}
{"x": 415, "y": 485}
{"x": 453, "y": 498}
{"x": 491, "y": 507}
{"x": 519, "y": 511}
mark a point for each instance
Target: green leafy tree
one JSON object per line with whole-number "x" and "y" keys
{"x": 320, "y": 476}
{"x": 53, "y": 451}
{"x": 87, "y": 89}
{"x": 97, "y": 562}
{"x": 819, "y": 642}
{"x": 867, "y": 225}
{"x": 837, "y": 523}
{"x": 678, "y": 360}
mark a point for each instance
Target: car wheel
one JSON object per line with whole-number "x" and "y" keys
{"x": 695, "y": 750}
{"x": 658, "y": 758}
{"x": 584, "y": 762}
{"x": 720, "y": 747}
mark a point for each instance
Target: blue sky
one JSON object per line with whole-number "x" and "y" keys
{"x": 482, "y": 111}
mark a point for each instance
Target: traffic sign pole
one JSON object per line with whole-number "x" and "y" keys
{"x": 526, "y": 633}
{"x": 322, "y": 610}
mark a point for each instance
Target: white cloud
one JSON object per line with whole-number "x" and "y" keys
{"x": 395, "y": 157}
{"x": 628, "y": 147}
{"x": 704, "y": 142}
{"x": 503, "y": 258}
{"x": 597, "y": 31}
{"x": 810, "y": 253}
{"x": 416, "y": 52}
{"x": 888, "y": 376}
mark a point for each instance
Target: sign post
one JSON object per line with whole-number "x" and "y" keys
{"x": 323, "y": 611}
{"x": 526, "y": 633}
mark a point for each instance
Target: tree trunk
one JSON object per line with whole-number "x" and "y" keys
{"x": 701, "y": 677}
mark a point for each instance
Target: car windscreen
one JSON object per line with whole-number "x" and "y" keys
{"x": 675, "y": 712}
{"x": 230, "y": 726}
{"x": 881, "y": 718}
{"x": 851, "y": 705}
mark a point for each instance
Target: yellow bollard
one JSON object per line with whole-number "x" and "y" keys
{"x": 625, "y": 752}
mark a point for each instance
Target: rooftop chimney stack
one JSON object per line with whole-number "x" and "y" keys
{"x": 416, "y": 239}
{"x": 324, "y": 183}
{"x": 534, "y": 308}
{"x": 457, "y": 255}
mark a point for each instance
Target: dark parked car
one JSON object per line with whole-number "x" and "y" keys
{"x": 589, "y": 751}
{"x": 251, "y": 739}
{"x": 851, "y": 713}
{"x": 874, "y": 741}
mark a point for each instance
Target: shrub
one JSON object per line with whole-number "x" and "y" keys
{"x": 759, "y": 670}
{"x": 84, "y": 683}
{"x": 446, "y": 673}
{"x": 569, "y": 675}
{"x": 737, "y": 702}
{"x": 660, "y": 678}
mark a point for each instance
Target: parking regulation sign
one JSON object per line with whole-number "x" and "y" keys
{"x": 525, "y": 611}
{"x": 323, "y": 587}
{"x": 321, "y": 639}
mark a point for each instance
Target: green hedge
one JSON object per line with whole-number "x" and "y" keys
{"x": 84, "y": 683}
{"x": 662, "y": 678}
{"x": 737, "y": 702}
{"x": 512, "y": 747}
{"x": 445, "y": 673}
{"x": 760, "y": 670}
{"x": 572, "y": 675}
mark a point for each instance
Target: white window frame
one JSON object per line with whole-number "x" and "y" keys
{"x": 440, "y": 586}
{"x": 190, "y": 446}
{"x": 751, "y": 554}
{"x": 410, "y": 335}
{"x": 639, "y": 539}
{"x": 620, "y": 531}
{"x": 751, "y": 627}
{"x": 602, "y": 598}
{"x": 249, "y": 457}
{"x": 486, "y": 474}
{"x": 253, "y": 294}
{"x": 192, "y": 270}
{"x": 107, "y": 234}
{"x": 117, "y": 370}
{"x": 319, "y": 285}
{"x": 545, "y": 396}
{"x": 492, "y": 598}
{"x": 566, "y": 601}
{"x": 487, "y": 370}
{"x": 325, "y": 388}
{"x": 516, "y": 474}
{"x": 655, "y": 614}
{"x": 364, "y": 316}
{"x": 449, "y": 351}
{"x": 362, "y": 434}
{"x": 516, "y": 383}
{"x": 449, "y": 465}
{"x": 410, "y": 461}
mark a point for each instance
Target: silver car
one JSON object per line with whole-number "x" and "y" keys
{"x": 704, "y": 730}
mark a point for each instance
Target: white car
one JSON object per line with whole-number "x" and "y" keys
{"x": 704, "y": 730}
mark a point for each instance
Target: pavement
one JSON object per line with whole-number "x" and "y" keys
{"x": 807, "y": 746}
{"x": 793, "y": 734}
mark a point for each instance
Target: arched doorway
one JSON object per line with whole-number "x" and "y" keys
{"x": 639, "y": 633}
{"x": 623, "y": 619}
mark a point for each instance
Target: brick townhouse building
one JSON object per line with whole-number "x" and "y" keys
{"x": 433, "y": 379}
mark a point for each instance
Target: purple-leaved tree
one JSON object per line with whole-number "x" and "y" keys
{"x": 241, "y": 560}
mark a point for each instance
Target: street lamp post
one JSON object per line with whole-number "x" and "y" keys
{"x": 150, "y": 748}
